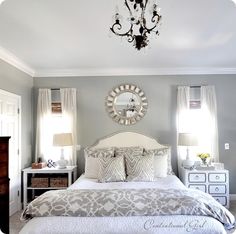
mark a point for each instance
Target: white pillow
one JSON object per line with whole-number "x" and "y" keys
{"x": 160, "y": 165}
{"x": 161, "y": 152}
{"x": 91, "y": 167}
{"x": 92, "y": 160}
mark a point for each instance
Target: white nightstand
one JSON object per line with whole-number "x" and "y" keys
{"x": 70, "y": 171}
{"x": 213, "y": 182}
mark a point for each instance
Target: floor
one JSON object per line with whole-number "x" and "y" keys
{"x": 16, "y": 225}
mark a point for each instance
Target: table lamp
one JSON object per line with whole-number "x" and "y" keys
{"x": 188, "y": 140}
{"x": 62, "y": 140}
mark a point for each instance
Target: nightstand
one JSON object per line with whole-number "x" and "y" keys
{"x": 213, "y": 182}
{"x": 45, "y": 176}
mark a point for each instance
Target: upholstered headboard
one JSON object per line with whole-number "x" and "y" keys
{"x": 126, "y": 139}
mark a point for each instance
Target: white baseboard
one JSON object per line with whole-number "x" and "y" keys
{"x": 232, "y": 197}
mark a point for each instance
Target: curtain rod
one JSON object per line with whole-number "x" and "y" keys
{"x": 195, "y": 86}
{"x": 55, "y": 89}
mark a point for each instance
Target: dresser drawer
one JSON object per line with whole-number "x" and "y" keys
{"x": 217, "y": 177}
{"x": 3, "y": 170}
{"x": 4, "y": 147}
{"x": 217, "y": 189}
{"x": 200, "y": 187}
{"x": 197, "y": 177}
{"x": 221, "y": 199}
{"x": 4, "y": 184}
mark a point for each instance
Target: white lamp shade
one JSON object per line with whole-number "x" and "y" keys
{"x": 187, "y": 139}
{"x": 62, "y": 139}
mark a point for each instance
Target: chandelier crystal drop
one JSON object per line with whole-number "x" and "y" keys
{"x": 140, "y": 25}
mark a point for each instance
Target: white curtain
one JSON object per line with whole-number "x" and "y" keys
{"x": 209, "y": 136}
{"x": 182, "y": 115}
{"x": 202, "y": 122}
{"x": 43, "y": 145}
{"x": 69, "y": 115}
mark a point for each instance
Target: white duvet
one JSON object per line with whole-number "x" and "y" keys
{"x": 125, "y": 225}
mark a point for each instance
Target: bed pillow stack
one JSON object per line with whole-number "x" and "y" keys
{"x": 161, "y": 162}
{"x": 138, "y": 164}
{"x": 138, "y": 167}
{"x": 92, "y": 160}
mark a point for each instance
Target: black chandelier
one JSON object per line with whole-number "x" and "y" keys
{"x": 139, "y": 28}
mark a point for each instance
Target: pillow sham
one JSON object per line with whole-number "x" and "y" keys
{"x": 140, "y": 168}
{"x": 92, "y": 160}
{"x": 161, "y": 152}
{"x": 111, "y": 169}
{"x": 160, "y": 164}
{"x": 129, "y": 151}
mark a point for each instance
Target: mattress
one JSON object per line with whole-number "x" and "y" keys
{"x": 180, "y": 224}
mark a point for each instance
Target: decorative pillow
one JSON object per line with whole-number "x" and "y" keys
{"x": 160, "y": 165}
{"x": 92, "y": 160}
{"x": 140, "y": 168}
{"x": 159, "y": 152}
{"x": 129, "y": 151}
{"x": 111, "y": 169}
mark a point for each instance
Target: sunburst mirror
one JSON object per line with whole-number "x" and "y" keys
{"x": 126, "y": 104}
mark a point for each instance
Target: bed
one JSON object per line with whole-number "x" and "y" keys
{"x": 130, "y": 224}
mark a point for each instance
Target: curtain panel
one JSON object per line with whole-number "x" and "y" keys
{"x": 43, "y": 145}
{"x": 69, "y": 115}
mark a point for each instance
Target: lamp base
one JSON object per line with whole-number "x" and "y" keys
{"x": 62, "y": 163}
{"x": 188, "y": 163}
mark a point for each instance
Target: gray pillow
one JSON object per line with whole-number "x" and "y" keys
{"x": 111, "y": 169}
{"x": 140, "y": 168}
{"x": 129, "y": 151}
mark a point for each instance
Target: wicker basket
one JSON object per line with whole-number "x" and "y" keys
{"x": 58, "y": 182}
{"x": 39, "y": 182}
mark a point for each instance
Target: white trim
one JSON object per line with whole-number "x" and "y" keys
{"x": 10, "y": 58}
{"x": 6, "y": 93}
{"x": 232, "y": 197}
{"x": 132, "y": 72}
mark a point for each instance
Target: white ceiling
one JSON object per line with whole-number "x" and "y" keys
{"x": 71, "y": 37}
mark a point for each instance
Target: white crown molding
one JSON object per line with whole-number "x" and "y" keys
{"x": 232, "y": 197}
{"x": 10, "y": 58}
{"x": 134, "y": 71}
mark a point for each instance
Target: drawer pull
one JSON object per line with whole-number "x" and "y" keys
{"x": 217, "y": 189}
{"x": 217, "y": 177}
{"x": 196, "y": 177}
{"x": 217, "y": 199}
{"x": 197, "y": 188}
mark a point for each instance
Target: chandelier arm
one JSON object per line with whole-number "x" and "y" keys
{"x": 156, "y": 23}
{"x": 119, "y": 27}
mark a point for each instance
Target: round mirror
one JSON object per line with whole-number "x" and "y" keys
{"x": 126, "y": 104}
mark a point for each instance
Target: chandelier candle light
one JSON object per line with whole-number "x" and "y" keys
{"x": 140, "y": 24}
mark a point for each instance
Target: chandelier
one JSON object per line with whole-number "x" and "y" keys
{"x": 140, "y": 25}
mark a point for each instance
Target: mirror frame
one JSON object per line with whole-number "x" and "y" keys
{"x": 110, "y": 105}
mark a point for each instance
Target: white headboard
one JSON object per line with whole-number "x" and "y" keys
{"x": 126, "y": 139}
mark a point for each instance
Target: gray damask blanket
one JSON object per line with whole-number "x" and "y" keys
{"x": 127, "y": 202}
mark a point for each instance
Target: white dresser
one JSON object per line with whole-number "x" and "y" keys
{"x": 214, "y": 182}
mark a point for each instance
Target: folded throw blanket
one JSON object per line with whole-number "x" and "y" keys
{"x": 127, "y": 202}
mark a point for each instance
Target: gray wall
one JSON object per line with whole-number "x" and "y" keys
{"x": 159, "y": 121}
{"x": 17, "y": 82}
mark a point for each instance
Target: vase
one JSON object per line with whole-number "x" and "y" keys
{"x": 204, "y": 162}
